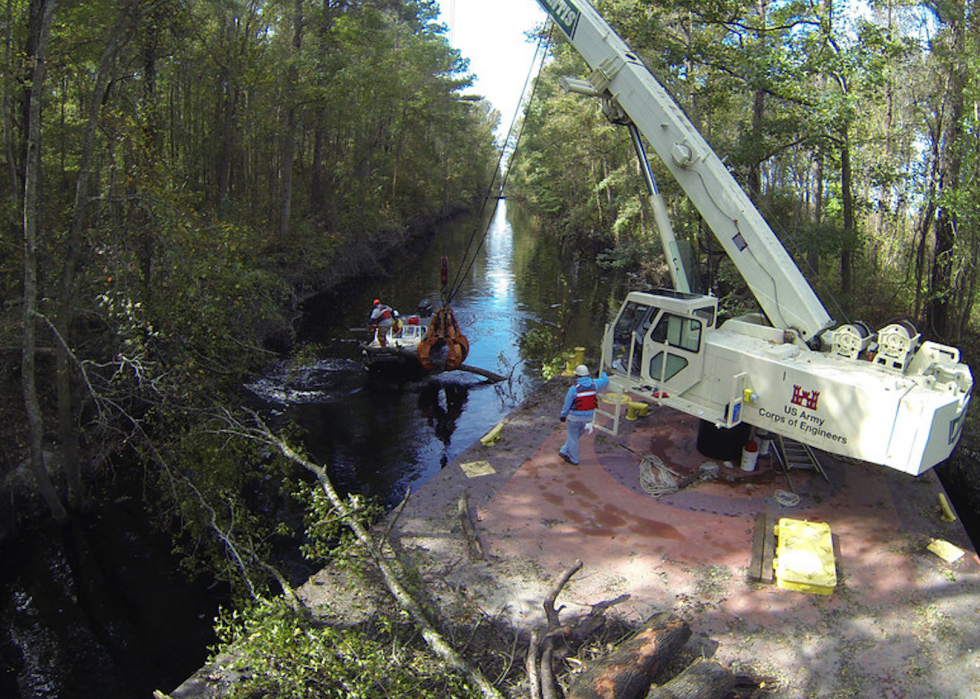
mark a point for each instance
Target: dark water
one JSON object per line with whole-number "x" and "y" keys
{"x": 99, "y": 609}
{"x": 379, "y": 436}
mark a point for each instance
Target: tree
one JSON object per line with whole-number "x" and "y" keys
{"x": 948, "y": 288}
{"x": 32, "y": 176}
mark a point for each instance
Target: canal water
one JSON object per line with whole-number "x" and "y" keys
{"x": 517, "y": 303}
{"x": 99, "y": 610}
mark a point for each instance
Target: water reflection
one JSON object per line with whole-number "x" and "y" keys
{"x": 500, "y": 257}
{"x": 441, "y": 403}
{"x": 378, "y": 437}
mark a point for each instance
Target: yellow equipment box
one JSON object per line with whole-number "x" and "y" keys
{"x": 805, "y": 557}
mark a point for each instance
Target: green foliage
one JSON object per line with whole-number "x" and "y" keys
{"x": 283, "y": 656}
{"x": 541, "y": 346}
{"x": 801, "y": 97}
{"x": 216, "y": 493}
{"x": 328, "y": 538}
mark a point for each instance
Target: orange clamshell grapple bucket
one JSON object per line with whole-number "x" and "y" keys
{"x": 443, "y": 330}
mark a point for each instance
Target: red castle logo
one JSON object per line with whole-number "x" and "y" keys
{"x": 806, "y": 399}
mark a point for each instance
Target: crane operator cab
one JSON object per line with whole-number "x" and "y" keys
{"x": 655, "y": 344}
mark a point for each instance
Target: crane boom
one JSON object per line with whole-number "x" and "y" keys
{"x": 886, "y": 397}
{"x": 772, "y": 275}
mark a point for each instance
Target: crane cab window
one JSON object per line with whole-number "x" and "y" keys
{"x": 674, "y": 366}
{"x": 707, "y": 314}
{"x": 635, "y": 318}
{"x": 632, "y": 325}
{"x": 677, "y": 331}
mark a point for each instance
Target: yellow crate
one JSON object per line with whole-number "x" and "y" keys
{"x": 805, "y": 557}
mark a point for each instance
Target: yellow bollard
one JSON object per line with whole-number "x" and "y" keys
{"x": 578, "y": 357}
{"x": 637, "y": 409}
{"x": 490, "y": 438}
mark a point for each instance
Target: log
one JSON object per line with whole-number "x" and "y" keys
{"x": 763, "y": 550}
{"x": 628, "y": 671}
{"x": 705, "y": 679}
{"x": 485, "y": 373}
{"x": 531, "y": 664}
{"x": 469, "y": 531}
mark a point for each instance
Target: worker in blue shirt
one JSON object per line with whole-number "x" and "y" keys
{"x": 579, "y": 409}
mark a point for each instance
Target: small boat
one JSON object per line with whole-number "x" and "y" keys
{"x": 420, "y": 343}
{"x": 399, "y": 355}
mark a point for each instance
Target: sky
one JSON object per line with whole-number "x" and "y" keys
{"x": 491, "y": 33}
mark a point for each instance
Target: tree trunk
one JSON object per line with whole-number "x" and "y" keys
{"x": 813, "y": 257}
{"x": 942, "y": 294}
{"x": 10, "y": 141}
{"x": 629, "y": 670}
{"x": 289, "y": 140}
{"x": 847, "y": 203}
{"x": 702, "y": 680}
{"x": 32, "y": 173}
{"x": 67, "y": 433}
{"x": 754, "y": 180}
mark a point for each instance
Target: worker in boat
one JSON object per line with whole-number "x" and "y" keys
{"x": 380, "y": 322}
{"x": 579, "y": 409}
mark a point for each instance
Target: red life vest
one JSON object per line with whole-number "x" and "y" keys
{"x": 585, "y": 398}
{"x": 385, "y": 312}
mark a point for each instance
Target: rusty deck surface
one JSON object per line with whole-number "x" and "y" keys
{"x": 901, "y": 622}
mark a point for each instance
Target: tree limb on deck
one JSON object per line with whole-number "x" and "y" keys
{"x": 390, "y": 569}
{"x": 628, "y": 671}
{"x": 469, "y": 531}
{"x": 704, "y": 679}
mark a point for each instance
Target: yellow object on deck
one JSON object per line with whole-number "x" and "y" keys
{"x": 573, "y": 361}
{"x": 490, "y": 438}
{"x": 945, "y": 509}
{"x": 637, "y": 409}
{"x": 805, "y": 557}
{"x": 475, "y": 469}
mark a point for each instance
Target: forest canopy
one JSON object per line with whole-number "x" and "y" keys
{"x": 182, "y": 175}
{"x": 853, "y": 126}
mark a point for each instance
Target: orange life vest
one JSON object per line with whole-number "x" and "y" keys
{"x": 586, "y": 398}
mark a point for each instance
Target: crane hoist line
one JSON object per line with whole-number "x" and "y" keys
{"x": 889, "y": 397}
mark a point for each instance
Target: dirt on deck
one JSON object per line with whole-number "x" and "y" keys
{"x": 901, "y": 621}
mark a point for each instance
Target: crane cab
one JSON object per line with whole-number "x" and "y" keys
{"x": 655, "y": 343}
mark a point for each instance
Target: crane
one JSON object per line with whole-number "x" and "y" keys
{"x": 887, "y": 397}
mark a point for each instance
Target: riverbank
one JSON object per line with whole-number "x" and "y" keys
{"x": 901, "y": 621}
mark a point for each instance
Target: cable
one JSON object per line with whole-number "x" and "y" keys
{"x": 786, "y": 498}
{"x": 540, "y": 52}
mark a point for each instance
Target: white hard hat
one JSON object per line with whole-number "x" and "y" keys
{"x": 581, "y": 370}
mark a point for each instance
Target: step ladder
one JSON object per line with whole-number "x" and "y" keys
{"x": 793, "y": 454}
{"x": 613, "y": 414}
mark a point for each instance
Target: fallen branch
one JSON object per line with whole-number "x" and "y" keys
{"x": 541, "y": 675}
{"x": 469, "y": 531}
{"x": 704, "y": 679}
{"x": 585, "y": 626}
{"x": 549, "y": 685}
{"x": 531, "y": 664}
{"x": 549, "y": 601}
{"x": 628, "y": 671}
{"x": 390, "y": 569}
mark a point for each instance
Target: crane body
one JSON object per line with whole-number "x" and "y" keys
{"x": 888, "y": 397}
